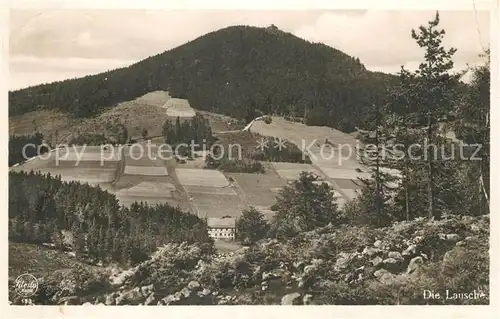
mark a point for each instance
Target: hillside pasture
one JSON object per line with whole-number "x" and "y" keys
{"x": 258, "y": 188}
{"x": 292, "y": 171}
{"x": 201, "y": 177}
{"x": 146, "y": 170}
{"x": 179, "y": 108}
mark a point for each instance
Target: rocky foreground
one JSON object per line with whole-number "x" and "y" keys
{"x": 331, "y": 265}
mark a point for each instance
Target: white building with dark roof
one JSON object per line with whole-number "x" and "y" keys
{"x": 221, "y": 228}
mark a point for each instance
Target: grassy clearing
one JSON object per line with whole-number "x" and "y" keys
{"x": 343, "y": 173}
{"x": 289, "y": 171}
{"x": 179, "y": 108}
{"x": 201, "y": 177}
{"x": 258, "y": 187}
{"x": 346, "y": 183}
{"x": 146, "y": 170}
{"x": 210, "y": 190}
{"x": 148, "y": 189}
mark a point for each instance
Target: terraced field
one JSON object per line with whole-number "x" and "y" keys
{"x": 149, "y": 174}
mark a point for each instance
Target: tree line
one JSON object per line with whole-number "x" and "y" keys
{"x": 90, "y": 221}
{"x": 17, "y": 147}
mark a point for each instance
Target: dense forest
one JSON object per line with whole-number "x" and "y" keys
{"x": 24, "y": 147}
{"x": 196, "y": 130}
{"x": 240, "y": 71}
{"x": 86, "y": 219}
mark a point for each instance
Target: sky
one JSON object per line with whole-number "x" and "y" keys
{"x": 49, "y": 45}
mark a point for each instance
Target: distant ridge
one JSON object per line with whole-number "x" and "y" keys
{"x": 239, "y": 71}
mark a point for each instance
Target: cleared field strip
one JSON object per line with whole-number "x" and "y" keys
{"x": 145, "y": 170}
{"x": 345, "y": 183}
{"x": 210, "y": 190}
{"x": 259, "y": 189}
{"x": 341, "y": 173}
{"x": 211, "y": 205}
{"x": 82, "y": 164}
{"x": 292, "y": 171}
{"x": 201, "y": 177}
{"x": 179, "y": 108}
{"x": 148, "y": 189}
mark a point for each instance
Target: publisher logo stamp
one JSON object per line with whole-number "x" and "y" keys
{"x": 26, "y": 285}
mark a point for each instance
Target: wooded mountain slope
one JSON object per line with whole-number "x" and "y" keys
{"x": 237, "y": 71}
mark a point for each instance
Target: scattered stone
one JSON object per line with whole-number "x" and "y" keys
{"x": 110, "y": 300}
{"x": 414, "y": 264}
{"x": 299, "y": 265}
{"x": 309, "y": 269}
{"x": 291, "y": 299}
{"x": 410, "y": 251}
{"x": 395, "y": 255}
{"x": 377, "y": 244}
{"x": 377, "y": 261}
{"x": 452, "y": 237}
{"x": 308, "y": 299}
{"x": 475, "y": 228}
{"x": 194, "y": 285}
{"x": 150, "y": 299}
{"x": 185, "y": 292}
{"x": 130, "y": 297}
{"x": 169, "y": 299}
{"x": 371, "y": 251}
{"x": 384, "y": 276}
{"x": 145, "y": 290}
{"x": 206, "y": 292}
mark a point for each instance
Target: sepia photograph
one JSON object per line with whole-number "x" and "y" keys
{"x": 248, "y": 157}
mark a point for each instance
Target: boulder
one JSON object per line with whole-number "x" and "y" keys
{"x": 194, "y": 285}
{"x": 185, "y": 292}
{"x": 394, "y": 254}
{"x": 371, "y": 251}
{"x": 308, "y": 299}
{"x": 146, "y": 290}
{"x": 410, "y": 251}
{"x": 414, "y": 264}
{"x": 377, "y": 261}
{"x": 377, "y": 244}
{"x": 344, "y": 260}
{"x": 168, "y": 300}
{"x": 384, "y": 276}
{"x": 291, "y": 299}
{"x": 452, "y": 238}
{"x": 87, "y": 304}
{"x": 110, "y": 300}
{"x": 130, "y": 297}
{"x": 206, "y": 292}
{"x": 475, "y": 228}
{"x": 150, "y": 299}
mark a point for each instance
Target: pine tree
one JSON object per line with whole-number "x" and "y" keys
{"x": 434, "y": 91}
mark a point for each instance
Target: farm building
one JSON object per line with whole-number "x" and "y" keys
{"x": 221, "y": 228}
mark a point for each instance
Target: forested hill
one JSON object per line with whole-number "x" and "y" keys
{"x": 237, "y": 71}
